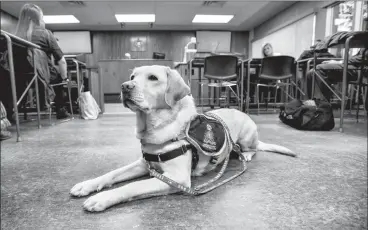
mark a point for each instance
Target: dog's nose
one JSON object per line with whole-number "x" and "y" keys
{"x": 127, "y": 86}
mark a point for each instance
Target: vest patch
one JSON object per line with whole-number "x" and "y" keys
{"x": 207, "y": 135}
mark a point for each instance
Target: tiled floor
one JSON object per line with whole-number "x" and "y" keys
{"x": 324, "y": 188}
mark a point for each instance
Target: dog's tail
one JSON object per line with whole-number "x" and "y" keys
{"x": 275, "y": 148}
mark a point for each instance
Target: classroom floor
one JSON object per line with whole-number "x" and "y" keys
{"x": 324, "y": 188}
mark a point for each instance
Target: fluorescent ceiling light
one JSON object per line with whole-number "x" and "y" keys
{"x": 59, "y": 19}
{"x": 135, "y": 17}
{"x": 204, "y": 18}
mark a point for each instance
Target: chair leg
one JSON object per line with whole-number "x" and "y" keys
{"x": 275, "y": 97}
{"x": 268, "y": 98}
{"x": 257, "y": 98}
{"x": 262, "y": 98}
{"x": 50, "y": 113}
{"x": 238, "y": 96}
{"x": 227, "y": 101}
{"x": 351, "y": 95}
{"x": 287, "y": 92}
{"x": 70, "y": 100}
{"x": 364, "y": 95}
{"x": 201, "y": 96}
{"x": 358, "y": 105}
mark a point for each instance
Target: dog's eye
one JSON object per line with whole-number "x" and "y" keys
{"x": 132, "y": 77}
{"x": 152, "y": 78}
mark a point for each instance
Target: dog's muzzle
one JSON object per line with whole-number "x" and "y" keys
{"x": 131, "y": 94}
{"x": 128, "y": 86}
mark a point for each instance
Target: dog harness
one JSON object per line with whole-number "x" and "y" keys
{"x": 208, "y": 135}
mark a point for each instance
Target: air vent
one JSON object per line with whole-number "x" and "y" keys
{"x": 213, "y": 3}
{"x": 73, "y": 4}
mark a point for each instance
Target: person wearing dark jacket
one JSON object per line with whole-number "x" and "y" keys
{"x": 332, "y": 72}
{"x": 31, "y": 27}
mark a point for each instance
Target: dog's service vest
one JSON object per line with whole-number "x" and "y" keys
{"x": 208, "y": 136}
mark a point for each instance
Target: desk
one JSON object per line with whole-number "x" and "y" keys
{"x": 355, "y": 40}
{"x": 12, "y": 39}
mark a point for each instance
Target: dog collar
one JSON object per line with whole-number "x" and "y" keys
{"x": 162, "y": 157}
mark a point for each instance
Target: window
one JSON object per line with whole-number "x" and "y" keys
{"x": 346, "y": 16}
{"x": 343, "y": 17}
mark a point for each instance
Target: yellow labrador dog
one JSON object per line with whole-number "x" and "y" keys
{"x": 164, "y": 107}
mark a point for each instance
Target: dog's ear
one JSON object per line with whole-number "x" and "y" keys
{"x": 176, "y": 87}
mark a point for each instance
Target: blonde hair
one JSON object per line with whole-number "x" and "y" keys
{"x": 263, "y": 48}
{"x": 29, "y": 16}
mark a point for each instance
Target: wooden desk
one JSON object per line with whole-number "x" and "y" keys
{"x": 117, "y": 71}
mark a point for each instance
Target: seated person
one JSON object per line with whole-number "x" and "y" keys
{"x": 267, "y": 50}
{"x": 31, "y": 27}
{"x": 332, "y": 71}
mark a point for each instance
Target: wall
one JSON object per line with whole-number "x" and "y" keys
{"x": 299, "y": 36}
{"x": 8, "y": 22}
{"x": 292, "y": 14}
{"x": 240, "y": 42}
{"x": 114, "y": 44}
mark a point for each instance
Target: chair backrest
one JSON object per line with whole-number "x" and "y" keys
{"x": 220, "y": 67}
{"x": 277, "y": 68}
{"x": 20, "y": 57}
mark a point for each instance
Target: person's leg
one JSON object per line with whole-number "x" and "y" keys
{"x": 330, "y": 73}
{"x": 59, "y": 99}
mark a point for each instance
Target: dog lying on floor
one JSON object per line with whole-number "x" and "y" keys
{"x": 163, "y": 106}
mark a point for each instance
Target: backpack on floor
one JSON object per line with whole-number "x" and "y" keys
{"x": 308, "y": 117}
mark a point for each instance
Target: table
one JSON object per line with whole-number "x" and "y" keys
{"x": 12, "y": 39}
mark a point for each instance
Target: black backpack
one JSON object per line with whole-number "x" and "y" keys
{"x": 306, "y": 117}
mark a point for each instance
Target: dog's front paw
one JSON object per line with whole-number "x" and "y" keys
{"x": 86, "y": 187}
{"x": 99, "y": 202}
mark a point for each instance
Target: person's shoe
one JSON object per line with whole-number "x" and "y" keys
{"x": 62, "y": 114}
{"x": 5, "y": 135}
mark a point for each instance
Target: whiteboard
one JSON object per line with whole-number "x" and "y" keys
{"x": 213, "y": 41}
{"x": 74, "y": 42}
{"x": 291, "y": 40}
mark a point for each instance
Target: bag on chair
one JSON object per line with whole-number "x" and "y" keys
{"x": 89, "y": 108}
{"x": 308, "y": 117}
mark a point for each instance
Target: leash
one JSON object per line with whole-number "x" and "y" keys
{"x": 197, "y": 190}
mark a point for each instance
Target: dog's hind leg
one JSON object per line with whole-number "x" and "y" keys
{"x": 248, "y": 147}
{"x": 131, "y": 171}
